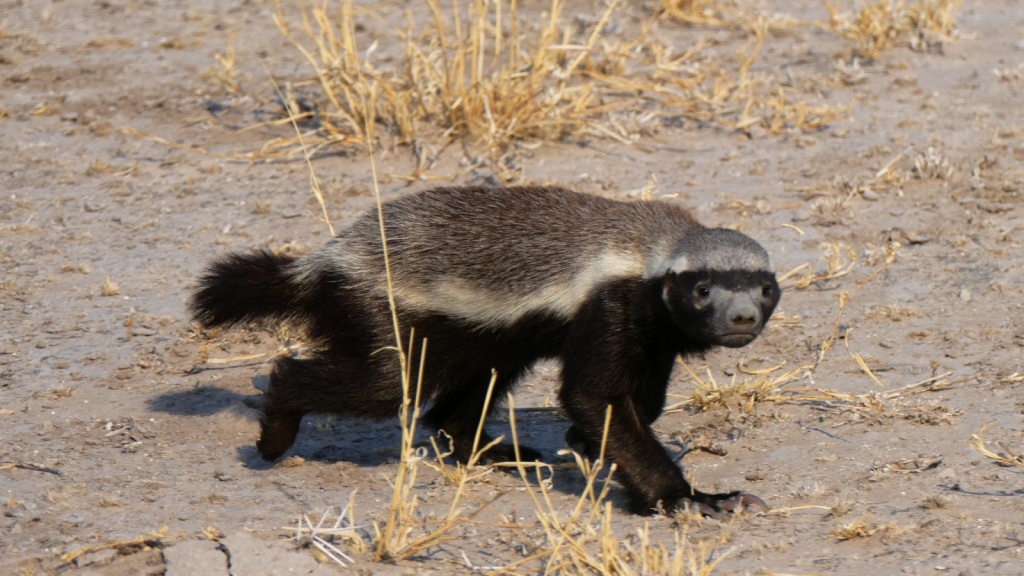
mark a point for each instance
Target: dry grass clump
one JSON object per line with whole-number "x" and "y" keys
{"x": 703, "y": 12}
{"x": 933, "y": 414}
{"x": 936, "y": 502}
{"x": 763, "y": 386}
{"x": 857, "y": 529}
{"x": 840, "y": 508}
{"x": 55, "y": 393}
{"x": 877, "y": 26}
{"x": 895, "y": 312}
{"x": 110, "y": 288}
{"x": 489, "y": 77}
{"x": 932, "y": 166}
{"x": 464, "y": 76}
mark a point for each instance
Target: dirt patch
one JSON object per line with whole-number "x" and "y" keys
{"x": 112, "y": 426}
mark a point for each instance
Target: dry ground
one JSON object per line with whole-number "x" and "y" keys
{"x": 105, "y": 388}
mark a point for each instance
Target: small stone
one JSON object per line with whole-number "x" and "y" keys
{"x": 140, "y": 331}
{"x": 885, "y": 344}
{"x": 965, "y": 295}
{"x": 93, "y": 207}
{"x": 69, "y": 117}
{"x": 1019, "y": 45}
{"x": 803, "y": 215}
{"x": 756, "y": 476}
{"x": 919, "y": 238}
{"x": 870, "y": 195}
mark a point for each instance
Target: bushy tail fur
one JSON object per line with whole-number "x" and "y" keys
{"x": 245, "y": 287}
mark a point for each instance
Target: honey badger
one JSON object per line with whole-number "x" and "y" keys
{"x": 499, "y": 278}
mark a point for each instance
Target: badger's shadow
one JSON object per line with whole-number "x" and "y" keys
{"x": 365, "y": 444}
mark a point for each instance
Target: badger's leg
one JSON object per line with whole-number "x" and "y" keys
{"x": 617, "y": 356}
{"x": 457, "y": 412}
{"x": 323, "y": 384}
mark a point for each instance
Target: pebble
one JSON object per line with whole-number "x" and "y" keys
{"x": 143, "y": 332}
{"x": 1019, "y": 45}
{"x": 919, "y": 238}
{"x": 870, "y": 195}
{"x": 803, "y": 215}
{"x": 965, "y": 295}
{"x": 93, "y": 207}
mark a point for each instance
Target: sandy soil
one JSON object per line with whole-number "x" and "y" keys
{"x": 106, "y": 389}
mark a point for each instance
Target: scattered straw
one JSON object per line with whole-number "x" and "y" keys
{"x": 322, "y": 534}
{"x": 148, "y": 539}
{"x": 1010, "y": 458}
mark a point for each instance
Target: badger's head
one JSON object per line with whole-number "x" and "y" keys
{"x": 720, "y": 288}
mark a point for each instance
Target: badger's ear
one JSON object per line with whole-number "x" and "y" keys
{"x": 666, "y": 287}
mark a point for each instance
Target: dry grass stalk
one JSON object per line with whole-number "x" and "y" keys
{"x": 226, "y": 73}
{"x": 395, "y": 541}
{"x": 322, "y": 535}
{"x": 845, "y": 298}
{"x": 148, "y": 539}
{"x": 860, "y": 360}
{"x": 840, "y": 260}
{"x": 584, "y": 543}
{"x": 467, "y": 76}
{"x": 1010, "y": 458}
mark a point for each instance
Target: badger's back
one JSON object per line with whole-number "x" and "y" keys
{"x": 494, "y": 255}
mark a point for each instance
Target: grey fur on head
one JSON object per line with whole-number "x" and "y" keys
{"x": 720, "y": 249}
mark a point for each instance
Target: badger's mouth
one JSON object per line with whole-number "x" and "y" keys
{"x": 736, "y": 339}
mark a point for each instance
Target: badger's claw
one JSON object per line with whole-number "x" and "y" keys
{"x": 718, "y": 505}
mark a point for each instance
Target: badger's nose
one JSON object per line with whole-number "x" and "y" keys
{"x": 744, "y": 315}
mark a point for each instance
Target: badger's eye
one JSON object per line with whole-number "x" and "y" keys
{"x": 766, "y": 290}
{"x": 702, "y": 291}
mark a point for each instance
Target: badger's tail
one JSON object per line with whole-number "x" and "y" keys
{"x": 240, "y": 288}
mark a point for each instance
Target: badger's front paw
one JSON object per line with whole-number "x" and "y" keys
{"x": 717, "y": 506}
